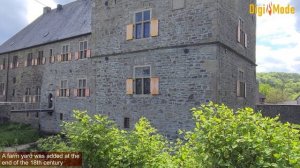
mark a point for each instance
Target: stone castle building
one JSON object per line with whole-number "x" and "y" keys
{"x": 128, "y": 59}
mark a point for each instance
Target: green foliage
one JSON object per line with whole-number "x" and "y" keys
{"x": 279, "y": 86}
{"x": 16, "y": 134}
{"x": 221, "y": 138}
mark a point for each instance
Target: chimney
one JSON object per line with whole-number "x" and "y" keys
{"x": 47, "y": 10}
{"x": 59, "y": 7}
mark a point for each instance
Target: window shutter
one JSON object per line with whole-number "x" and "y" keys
{"x": 18, "y": 64}
{"x": 129, "y": 32}
{"x": 87, "y": 92}
{"x": 44, "y": 60}
{"x": 11, "y": 65}
{"x": 76, "y": 55}
{"x": 238, "y": 87}
{"x": 3, "y": 92}
{"x": 154, "y": 85}
{"x": 68, "y": 93}
{"x": 58, "y": 58}
{"x": 1, "y": 67}
{"x": 239, "y": 32}
{"x": 129, "y": 86}
{"x": 246, "y": 40}
{"x": 57, "y": 93}
{"x": 32, "y": 62}
{"x": 24, "y": 98}
{"x": 53, "y": 59}
{"x": 70, "y": 56}
{"x": 29, "y": 99}
{"x": 88, "y": 53}
{"x": 75, "y": 92}
{"x": 154, "y": 27}
{"x": 33, "y": 99}
{"x": 36, "y": 61}
{"x": 245, "y": 89}
{"x": 25, "y": 63}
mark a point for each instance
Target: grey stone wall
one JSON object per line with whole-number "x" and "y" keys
{"x": 229, "y": 13}
{"x": 184, "y": 83}
{"x": 195, "y": 23}
{"x": 288, "y": 113}
{"x": 4, "y": 113}
{"x": 230, "y": 64}
{"x": 48, "y": 77}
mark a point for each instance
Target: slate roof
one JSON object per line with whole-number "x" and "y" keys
{"x": 74, "y": 19}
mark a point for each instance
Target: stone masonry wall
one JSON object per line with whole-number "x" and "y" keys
{"x": 184, "y": 83}
{"x": 288, "y": 113}
{"x": 48, "y": 77}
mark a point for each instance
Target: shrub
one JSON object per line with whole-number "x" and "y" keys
{"x": 221, "y": 138}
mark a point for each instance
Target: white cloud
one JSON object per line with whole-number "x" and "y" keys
{"x": 35, "y": 9}
{"x": 278, "y": 43}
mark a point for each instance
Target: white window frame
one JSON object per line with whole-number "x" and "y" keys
{"x": 134, "y": 79}
{"x": 63, "y": 91}
{"x": 65, "y": 55}
{"x": 242, "y": 80}
{"x": 84, "y": 50}
{"x": 134, "y": 23}
{"x": 83, "y": 90}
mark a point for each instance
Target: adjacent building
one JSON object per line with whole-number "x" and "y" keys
{"x": 128, "y": 59}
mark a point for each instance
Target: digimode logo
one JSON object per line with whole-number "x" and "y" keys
{"x": 270, "y": 9}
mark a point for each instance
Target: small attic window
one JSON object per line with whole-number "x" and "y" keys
{"x": 46, "y": 34}
{"x": 12, "y": 43}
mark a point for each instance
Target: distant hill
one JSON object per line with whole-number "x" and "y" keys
{"x": 279, "y": 86}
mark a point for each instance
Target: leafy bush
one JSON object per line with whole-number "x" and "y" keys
{"x": 221, "y": 138}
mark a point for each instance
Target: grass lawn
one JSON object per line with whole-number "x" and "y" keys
{"x": 15, "y": 134}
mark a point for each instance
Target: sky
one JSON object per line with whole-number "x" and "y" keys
{"x": 277, "y": 40}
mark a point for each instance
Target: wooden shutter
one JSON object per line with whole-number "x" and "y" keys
{"x": 58, "y": 58}
{"x": 1, "y": 67}
{"x": 129, "y": 86}
{"x": 246, "y": 40}
{"x": 239, "y": 32}
{"x": 245, "y": 89}
{"x": 25, "y": 63}
{"x": 154, "y": 27}
{"x": 87, "y": 92}
{"x": 57, "y": 93}
{"x": 36, "y": 61}
{"x": 11, "y": 65}
{"x": 3, "y": 92}
{"x": 129, "y": 32}
{"x": 88, "y": 53}
{"x": 76, "y": 55}
{"x": 238, "y": 87}
{"x": 17, "y": 64}
{"x": 69, "y": 56}
{"x": 24, "y": 98}
{"x": 154, "y": 85}
{"x": 68, "y": 93}
{"x": 44, "y": 60}
{"x": 33, "y": 99}
{"x": 75, "y": 93}
{"x": 30, "y": 99}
